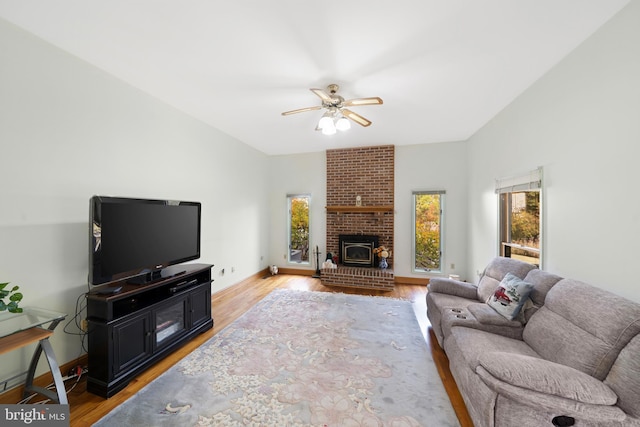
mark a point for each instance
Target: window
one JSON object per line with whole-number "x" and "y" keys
{"x": 427, "y": 229}
{"x": 298, "y": 228}
{"x": 519, "y": 217}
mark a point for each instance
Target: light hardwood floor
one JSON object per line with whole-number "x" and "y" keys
{"x": 228, "y": 305}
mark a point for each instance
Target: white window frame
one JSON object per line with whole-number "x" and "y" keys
{"x": 288, "y": 244}
{"x": 525, "y": 182}
{"x": 442, "y": 194}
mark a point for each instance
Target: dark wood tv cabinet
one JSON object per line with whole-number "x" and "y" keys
{"x": 130, "y": 330}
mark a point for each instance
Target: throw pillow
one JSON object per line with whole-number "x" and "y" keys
{"x": 510, "y": 296}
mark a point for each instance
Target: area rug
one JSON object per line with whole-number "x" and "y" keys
{"x": 300, "y": 358}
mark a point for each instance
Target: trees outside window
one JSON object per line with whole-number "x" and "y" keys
{"x": 427, "y": 249}
{"x": 519, "y": 216}
{"x": 520, "y": 225}
{"x": 298, "y": 228}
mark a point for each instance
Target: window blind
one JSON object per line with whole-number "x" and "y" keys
{"x": 531, "y": 180}
{"x": 430, "y": 192}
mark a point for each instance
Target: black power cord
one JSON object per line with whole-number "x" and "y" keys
{"x": 77, "y": 319}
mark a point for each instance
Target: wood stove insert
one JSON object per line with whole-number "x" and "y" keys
{"x": 357, "y": 250}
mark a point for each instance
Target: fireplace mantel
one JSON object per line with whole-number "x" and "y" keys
{"x": 359, "y": 209}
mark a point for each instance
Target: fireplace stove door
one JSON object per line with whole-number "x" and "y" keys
{"x": 357, "y": 250}
{"x": 360, "y": 254}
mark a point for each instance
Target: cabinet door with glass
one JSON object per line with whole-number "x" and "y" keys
{"x": 170, "y": 321}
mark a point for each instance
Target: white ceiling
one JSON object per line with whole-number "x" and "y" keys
{"x": 444, "y": 68}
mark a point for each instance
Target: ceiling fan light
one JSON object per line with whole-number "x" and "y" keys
{"x": 343, "y": 124}
{"x": 329, "y": 128}
{"x": 326, "y": 121}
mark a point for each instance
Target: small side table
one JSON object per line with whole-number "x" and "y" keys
{"x": 18, "y": 330}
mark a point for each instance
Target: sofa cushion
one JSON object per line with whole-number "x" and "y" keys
{"x": 624, "y": 378}
{"x": 473, "y": 343}
{"x": 542, "y": 282}
{"x": 510, "y": 296}
{"x": 436, "y": 305}
{"x": 540, "y": 375}
{"x": 488, "y": 316}
{"x": 489, "y": 320}
{"x": 495, "y": 272}
{"x": 583, "y": 327}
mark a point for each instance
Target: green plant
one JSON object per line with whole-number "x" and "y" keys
{"x": 14, "y": 298}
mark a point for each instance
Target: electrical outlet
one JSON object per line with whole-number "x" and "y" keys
{"x": 233, "y": 269}
{"x": 453, "y": 266}
{"x": 84, "y": 325}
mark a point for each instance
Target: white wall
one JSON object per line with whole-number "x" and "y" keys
{"x": 581, "y": 123}
{"x": 417, "y": 167}
{"x": 297, "y": 174}
{"x": 69, "y": 131}
{"x": 432, "y": 167}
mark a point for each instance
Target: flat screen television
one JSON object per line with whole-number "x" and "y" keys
{"x": 137, "y": 239}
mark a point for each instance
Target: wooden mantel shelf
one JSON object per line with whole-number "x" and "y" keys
{"x": 360, "y": 209}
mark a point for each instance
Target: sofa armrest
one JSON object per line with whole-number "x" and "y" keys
{"x": 556, "y": 388}
{"x": 453, "y": 287}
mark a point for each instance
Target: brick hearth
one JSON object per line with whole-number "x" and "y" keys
{"x": 358, "y": 277}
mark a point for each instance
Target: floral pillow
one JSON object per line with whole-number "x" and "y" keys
{"x": 510, "y": 295}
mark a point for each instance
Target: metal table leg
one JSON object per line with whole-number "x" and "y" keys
{"x": 61, "y": 394}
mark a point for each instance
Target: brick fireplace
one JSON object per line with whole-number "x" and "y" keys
{"x": 360, "y": 197}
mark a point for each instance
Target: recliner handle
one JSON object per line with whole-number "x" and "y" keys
{"x": 563, "y": 421}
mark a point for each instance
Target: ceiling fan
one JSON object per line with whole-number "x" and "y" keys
{"x": 335, "y": 118}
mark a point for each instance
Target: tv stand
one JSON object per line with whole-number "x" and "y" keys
{"x": 143, "y": 323}
{"x": 155, "y": 275}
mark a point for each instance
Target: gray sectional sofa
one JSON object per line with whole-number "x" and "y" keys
{"x": 570, "y": 357}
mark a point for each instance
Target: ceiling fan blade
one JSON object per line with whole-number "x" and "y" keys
{"x": 301, "y": 110}
{"x": 362, "y": 101}
{"x": 322, "y": 94}
{"x": 356, "y": 117}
